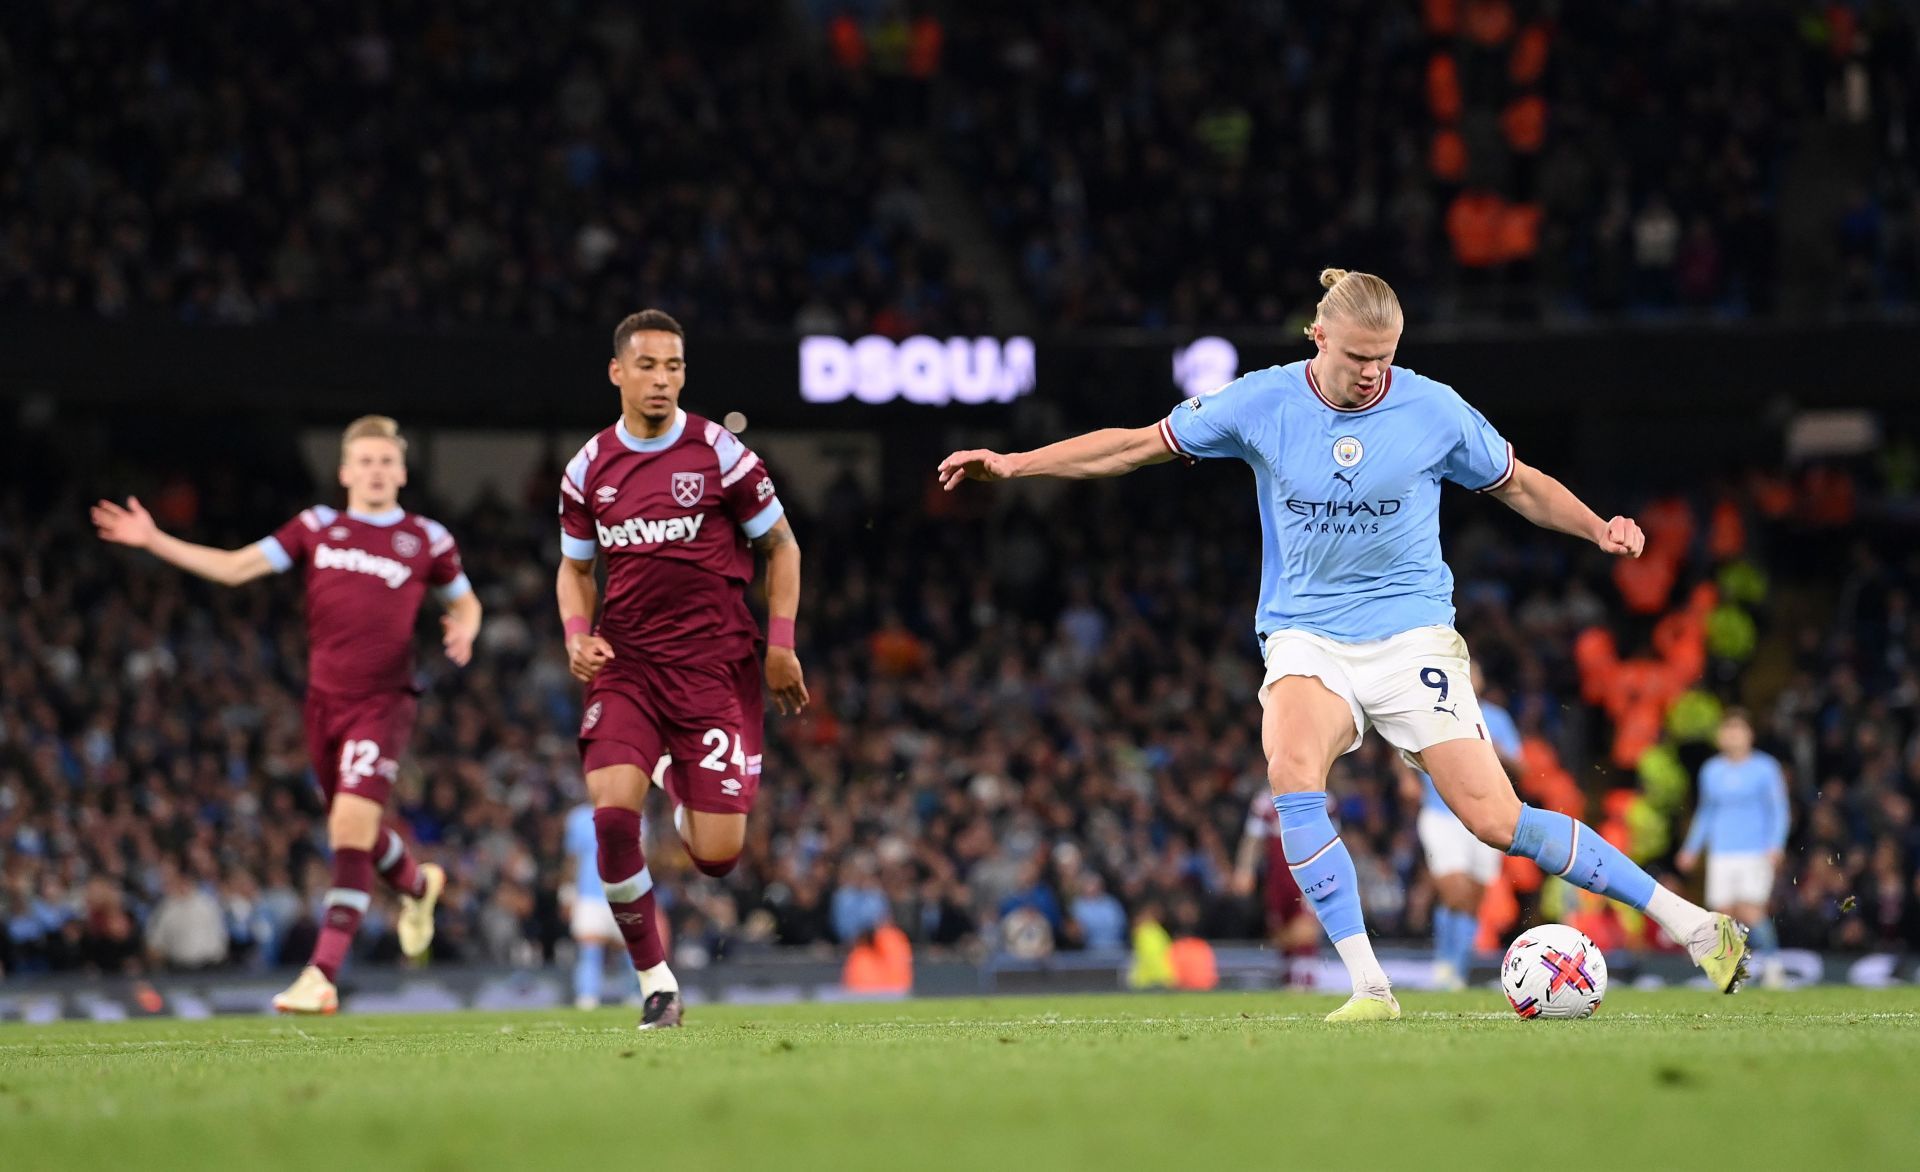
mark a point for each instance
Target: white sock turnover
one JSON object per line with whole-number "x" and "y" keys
{"x": 1363, "y": 968}
{"x": 656, "y": 979}
{"x": 1676, "y": 917}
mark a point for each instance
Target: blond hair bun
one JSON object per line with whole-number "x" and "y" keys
{"x": 1361, "y": 299}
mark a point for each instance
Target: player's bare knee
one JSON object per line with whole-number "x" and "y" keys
{"x": 714, "y": 841}
{"x": 1296, "y": 768}
{"x": 1493, "y": 822}
{"x": 353, "y": 823}
{"x": 622, "y": 786}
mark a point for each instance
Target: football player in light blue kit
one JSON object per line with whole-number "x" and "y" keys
{"x": 590, "y": 921}
{"x": 1461, "y": 865}
{"x": 1356, "y": 605}
{"x": 1742, "y": 822}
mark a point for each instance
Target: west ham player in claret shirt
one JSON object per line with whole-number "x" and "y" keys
{"x": 367, "y": 571}
{"x": 677, "y": 505}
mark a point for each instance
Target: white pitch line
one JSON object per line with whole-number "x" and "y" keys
{"x": 1003, "y": 1023}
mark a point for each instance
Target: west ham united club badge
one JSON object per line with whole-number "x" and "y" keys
{"x": 689, "y": 487}
{"x": 406, "y": 544}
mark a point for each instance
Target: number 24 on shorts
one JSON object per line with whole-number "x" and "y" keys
{"x": 720, "y": 761}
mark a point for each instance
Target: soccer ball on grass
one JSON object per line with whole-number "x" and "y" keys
{"x": 1553, "y": 971}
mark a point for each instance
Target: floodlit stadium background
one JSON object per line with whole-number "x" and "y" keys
{"x": 1671, "y": 249}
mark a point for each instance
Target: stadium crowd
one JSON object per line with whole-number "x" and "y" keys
{"x": 1848, "y": 724}
{"x": 455, "y": 164}
{"x": 1151, "y": 164}
{"x": 763, "y": 167}
{"x": 1027, "y": 731}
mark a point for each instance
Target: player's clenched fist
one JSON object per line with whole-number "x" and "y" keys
{"x": 586, "y": 655}
{"x": 1622, "y": 537}
{"x": 785, "y": 680}
{"x": 974, "y": 464}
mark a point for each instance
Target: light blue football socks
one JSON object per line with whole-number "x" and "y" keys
{"x": 1574, "y": 851}
{"x": 1320, "y": 863}
{"x": 588, "y": 968}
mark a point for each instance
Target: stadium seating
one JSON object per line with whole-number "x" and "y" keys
{"x": 1025, "y": 701}
{"x": 1142, "y": 165}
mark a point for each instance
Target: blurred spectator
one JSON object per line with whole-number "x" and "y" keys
{"x": 858, "y": 903}
{"x": 1099, "y": 922}
{"x": 187, "y": 930}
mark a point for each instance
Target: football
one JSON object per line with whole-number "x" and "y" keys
{"x": 1553, "y": 971}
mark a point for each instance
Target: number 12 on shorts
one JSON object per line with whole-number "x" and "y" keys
{"x": 720, "y": 761}
{"x": 358, "y": 759}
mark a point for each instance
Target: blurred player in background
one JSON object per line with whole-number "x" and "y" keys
{"x": 1461, "y": 865}
{"x": 677, "y": 505}
{"x": 1356, "y": 604}
{"x": 589, "y": 919}
{"x": 367, "y": 572}
{"x": 1290, "y": 928}
{"x": 1741, "y": 822}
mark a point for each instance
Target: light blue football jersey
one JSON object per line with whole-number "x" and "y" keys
{"x": 1505, "y": 736}
{"x": 1743, "y": 806}
{"x": 1349, "y": 497}
{"x": 583, "y": 847}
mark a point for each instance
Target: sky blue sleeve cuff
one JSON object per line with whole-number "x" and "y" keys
{"x": 577, "y": 548}
{"x": 756, "y": 526}
{"x": 457, "y": 589}
{"x": 276, "y": 554}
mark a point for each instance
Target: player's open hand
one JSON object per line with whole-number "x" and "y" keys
{"x": 457, "y": 637}
{"x": 785, "y": 680}
{"x": 974, "y": 464}
{"x": 132, "y": 525}
{"x": 1622, "y": 538}
{"x": 586, "y": 655}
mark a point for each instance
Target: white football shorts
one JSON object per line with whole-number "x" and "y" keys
{"x": 592, "y": 919}
{"x": 1742, "y": 878}
{"x": 1453, "y": 850}
{"x": 1414, "y": 687}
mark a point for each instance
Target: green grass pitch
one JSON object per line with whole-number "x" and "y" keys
{"x": 1824, "y": 1078}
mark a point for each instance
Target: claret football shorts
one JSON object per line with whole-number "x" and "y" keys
{"x": 696, "y": 728}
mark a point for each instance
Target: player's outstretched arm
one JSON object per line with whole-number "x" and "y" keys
{"x": 784, "y": 678}
{"x": 1111, "y": 451}
{"x": 133, "y": 526}
{"x": 1551, "y": 505}
{"x": 587, "y": 652}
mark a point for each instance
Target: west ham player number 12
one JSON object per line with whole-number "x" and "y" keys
{"x": 367, "y": 572}
{"x": 677, "y": 505}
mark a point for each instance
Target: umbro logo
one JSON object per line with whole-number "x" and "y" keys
{"x": 605, "y": 493}
{"x": 629, "y": 917}
{"x": 730, "y": 786}
{"x": 338, "y": 533}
